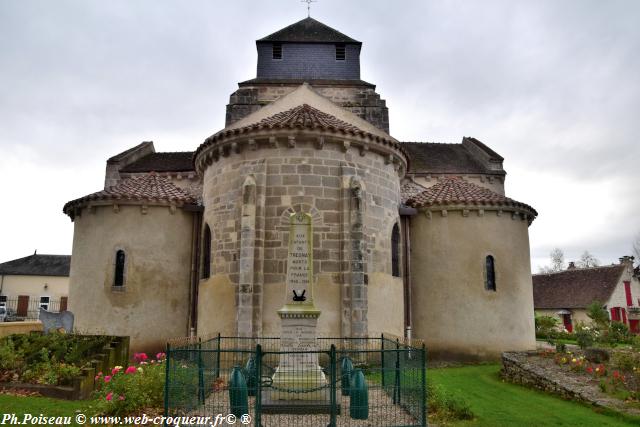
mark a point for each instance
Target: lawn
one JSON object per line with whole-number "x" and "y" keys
{"x": 496, "y": 403}
{"x": 35, "y": 406}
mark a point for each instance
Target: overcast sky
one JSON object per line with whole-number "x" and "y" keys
{"x": 554, "y": 87}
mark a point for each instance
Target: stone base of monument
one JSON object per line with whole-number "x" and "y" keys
{"x": 288, "y": 397}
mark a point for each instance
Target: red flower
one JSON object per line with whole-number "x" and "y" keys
{"x": 161, "y": 356}
{"x": 109, "y": 396}
{"x": 140, "y": 357}
{"x": 590, "y": 369}
{"x": 107, "y": 378}
{"x": 130, "y": 370}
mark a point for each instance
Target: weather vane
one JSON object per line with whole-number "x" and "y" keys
{"x": 308, "y": 2}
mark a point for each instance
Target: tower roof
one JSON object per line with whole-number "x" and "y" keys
{"x": 37, "y": 265}
{"x": 308, "y": 30}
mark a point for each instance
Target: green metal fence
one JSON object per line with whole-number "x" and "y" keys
{"x": 342, "y": 382}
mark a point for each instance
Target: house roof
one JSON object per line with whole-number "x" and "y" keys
{"x": 305, "y": 116}
{"x": 454, "y": 190}
{"x": 410, "y": 189}
{"x": 162, "y": 162}
{"x": 150, "y": 188}
{"x": 37, "y": 265}
{"x": 575, "y": 288}
{"x": 308, "y": 30}
{"x": 437, "y": 158}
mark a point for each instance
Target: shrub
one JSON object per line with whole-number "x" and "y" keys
{"x": 585, "y": 335}
{"x": 619, "y": 333}
{"x": 625, "y": 361}
{"x": 596, "y": 355}
{"x": 446, "y": 406}
{"x": 545, "y": 325}
{"x": 10, "y": 358}
{"x": 597, "y": 313}
{"x": 125, "y": 391}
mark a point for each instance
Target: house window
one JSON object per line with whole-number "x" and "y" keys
{"x": 3, "y": 300}
{"x": 118, "y": 280}
{"x": 44, "y": 303}
{"x": 395, "y": 251}
{"x": 341, "y": 53}
{"x": 206, "y": 253}
{"x": 627, "y": 292}
{"x": 490, "y": 274}
{"x": 277, "y": 51}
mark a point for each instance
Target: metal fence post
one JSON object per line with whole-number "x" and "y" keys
{"x": 424, "y": 385}
{"x": 332, "y": 391}
{"x": 200, "y": 374}
{"x": 167, "y": 382}
{"x": 382, "y": 357}
{"x": 258, "y": 398}
{"x": 217, "y": 374}
{"x": 396, "y": 393}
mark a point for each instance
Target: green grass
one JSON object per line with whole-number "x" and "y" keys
{"x": 496, "y": 403}
{"x": 35, "y": 406}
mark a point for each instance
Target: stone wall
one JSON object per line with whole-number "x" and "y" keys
{"x": 516, "y": 369}
{"x": 152, "y": 306}
{"x": 360, "y": 99}
{"x": 352, "y": 196}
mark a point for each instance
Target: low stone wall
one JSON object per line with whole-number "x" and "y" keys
{"x": 24, "y": 327}
{"x": 516, "y": 369}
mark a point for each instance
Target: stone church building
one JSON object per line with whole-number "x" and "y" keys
{"x": 408, "y": 237}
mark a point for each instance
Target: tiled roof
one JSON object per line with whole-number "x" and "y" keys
{"x": 308, "y": 30}
{"x": 312, "y": 82}
{"x": 162, "y": 162}
{"x": 305, "y": 116}
{"x": 37, "y": 265}
{"x": 410, "y": 189}
{"x": 575, "y": 288}
{"x": 435, "y": 158}
{"x": 456, "y": 191}
{"x": 148, "y": 188}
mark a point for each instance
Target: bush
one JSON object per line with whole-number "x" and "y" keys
{"x": 619, "y": 333}
{"x": 596, "y": 355}
{"x": 625, "y": 361}
{"x": 597, "y": 313}
{"x": 446, "y": 406}
{"x": 126, "y": 391}
{"x": 545, "y": 325}
{"x": 585, "y": 335}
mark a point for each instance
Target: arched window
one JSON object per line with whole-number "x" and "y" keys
{"x": 395, "y": 251}
{"x": 490, "y": 274}
{"x": 118, "y": 279}
{"x": 206, "y": 252}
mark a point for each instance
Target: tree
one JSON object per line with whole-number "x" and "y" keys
{"x": 588, "y": 260}
{"x": 557, "y": 262}
{"x": 598, "y": 315}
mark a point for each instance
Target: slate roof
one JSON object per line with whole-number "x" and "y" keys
{"x": 312, "y": 82}
{"x": 37, "y": 265}
{"x": 308, "y": 30}
{"x": 150, "y": 188}
{"x": 456, "y": 191}
{"x": 162, "y": 162}
{"x": 575, "y": 288}
{"x": 436, "y": 158}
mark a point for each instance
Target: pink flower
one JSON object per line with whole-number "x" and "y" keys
{"x": 121, "y": 397}
{"x": 109, "y": 396}
{"x": 115, "y": 370}
{"x": 107, "y": 378}
{"x": 161, "y": 356}
{"x": 140, "y": 357}
{"x": 130, "y": 370}
{"x": 97, "y": 377}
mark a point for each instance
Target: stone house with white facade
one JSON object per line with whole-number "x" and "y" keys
{"x": 566, "y": 294}
{"x": 409, "y": 238}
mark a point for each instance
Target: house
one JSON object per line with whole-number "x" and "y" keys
{"x": 35, "y": 281}
{"x": 566, "y": 294}
{"x": 197, "y": 242}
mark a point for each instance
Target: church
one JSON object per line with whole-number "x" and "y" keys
{"x": 409, "y": 238}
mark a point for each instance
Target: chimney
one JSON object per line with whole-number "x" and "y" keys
{"x": 572, "y": 265}
{"x": 627, "y": 260}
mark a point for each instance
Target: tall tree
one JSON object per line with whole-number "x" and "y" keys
{"x": 588, "y": 260}
{"x": 556, "y": 262}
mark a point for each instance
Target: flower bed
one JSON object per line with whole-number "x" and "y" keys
{"x": 57, "y": 365}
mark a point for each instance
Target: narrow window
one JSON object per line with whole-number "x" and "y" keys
{"x": 490, "y": 283}
{"x": 627, "y": 292}
{"x": 395, "y": 251}
{"x": 206, "y": 252}
{"x": 341, "y": 53}
{"x": 118, "y": 280}
{"x": 3, "y": 300}
{"x": 277, "y": 50}
{"x": 44, "y": 303}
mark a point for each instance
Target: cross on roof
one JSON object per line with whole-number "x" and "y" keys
{"x": 308, "y": 2}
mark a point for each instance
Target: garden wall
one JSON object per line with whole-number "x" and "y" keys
{"x": 516, "y": 369}
{"x": 10, "y": 328}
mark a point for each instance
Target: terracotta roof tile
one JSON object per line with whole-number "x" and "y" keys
{"x": 410, "y": 189}
{"x": 456, "y": 191}
{"x": 576, "y": 288}
{"x": 149, "y": 188}
{"x": 305, "y": 116}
